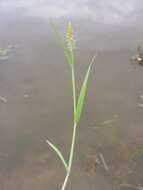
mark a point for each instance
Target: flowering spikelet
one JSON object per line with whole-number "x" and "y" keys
{"x": 70, "y": 37}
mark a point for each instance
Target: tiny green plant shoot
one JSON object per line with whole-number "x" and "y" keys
{"x": 69, "y": 52}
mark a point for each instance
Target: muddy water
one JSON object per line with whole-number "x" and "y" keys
{"x": 35, "y": 81}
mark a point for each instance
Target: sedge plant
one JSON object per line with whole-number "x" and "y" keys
{"x": 68, "y": 47}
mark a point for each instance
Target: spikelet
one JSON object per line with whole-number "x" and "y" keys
{"x": 70, "y": 37}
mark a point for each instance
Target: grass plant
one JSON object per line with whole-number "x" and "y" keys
{"x": 68, "y": 47}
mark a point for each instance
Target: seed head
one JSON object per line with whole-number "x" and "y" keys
{"x": 70, "y": 37}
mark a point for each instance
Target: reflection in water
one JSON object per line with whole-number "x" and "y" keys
{"x": 115, "y": 11}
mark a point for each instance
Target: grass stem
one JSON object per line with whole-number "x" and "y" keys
{"x": 73, "y": 89}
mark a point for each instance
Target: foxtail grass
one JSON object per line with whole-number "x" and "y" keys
{"x": 68, "y": 47}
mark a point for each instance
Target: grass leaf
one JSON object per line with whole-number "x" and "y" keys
{"x": 58, "y": 153}
{"x": 82, "y": 94}
{"x": 62, "y": 44}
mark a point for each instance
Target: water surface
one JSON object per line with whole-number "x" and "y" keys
{"x": 35, "y": 80}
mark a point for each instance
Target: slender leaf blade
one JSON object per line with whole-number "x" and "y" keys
{"x": 58, "y": 153}
{"x": 82, "y": 94}
{"x": 58, "y": 35}
{"x": 61, "y": 43}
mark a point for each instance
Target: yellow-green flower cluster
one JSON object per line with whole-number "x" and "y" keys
{"x": 70, "y": 37}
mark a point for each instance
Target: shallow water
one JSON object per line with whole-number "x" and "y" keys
{"x": 35, "y": 81}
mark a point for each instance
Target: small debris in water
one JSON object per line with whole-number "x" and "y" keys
{"x": 26, "y": 96}
{"x": 138, "y": 153}
{"x": 3, "y": 52}
{"x": 3, "y": 99}
{"x": 138, "y": 58}
{"x": 96, "y": 127}
{"x": 131, "y": 186}
{"x": 104, "y": 162}
{"x": 107, "y": 122}
{"x": 92, "y": 163}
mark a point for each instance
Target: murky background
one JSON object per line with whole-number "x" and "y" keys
{"x": 36, "y": 101}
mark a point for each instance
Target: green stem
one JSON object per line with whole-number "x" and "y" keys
{"x": 73, "y": 89}
{"x": 70, "y": 157}
{"x": 74, "y": 127}
{"x": 72, "y": 148}
{"x": 65, "y": 181}
{"x": 74, "y": 132}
